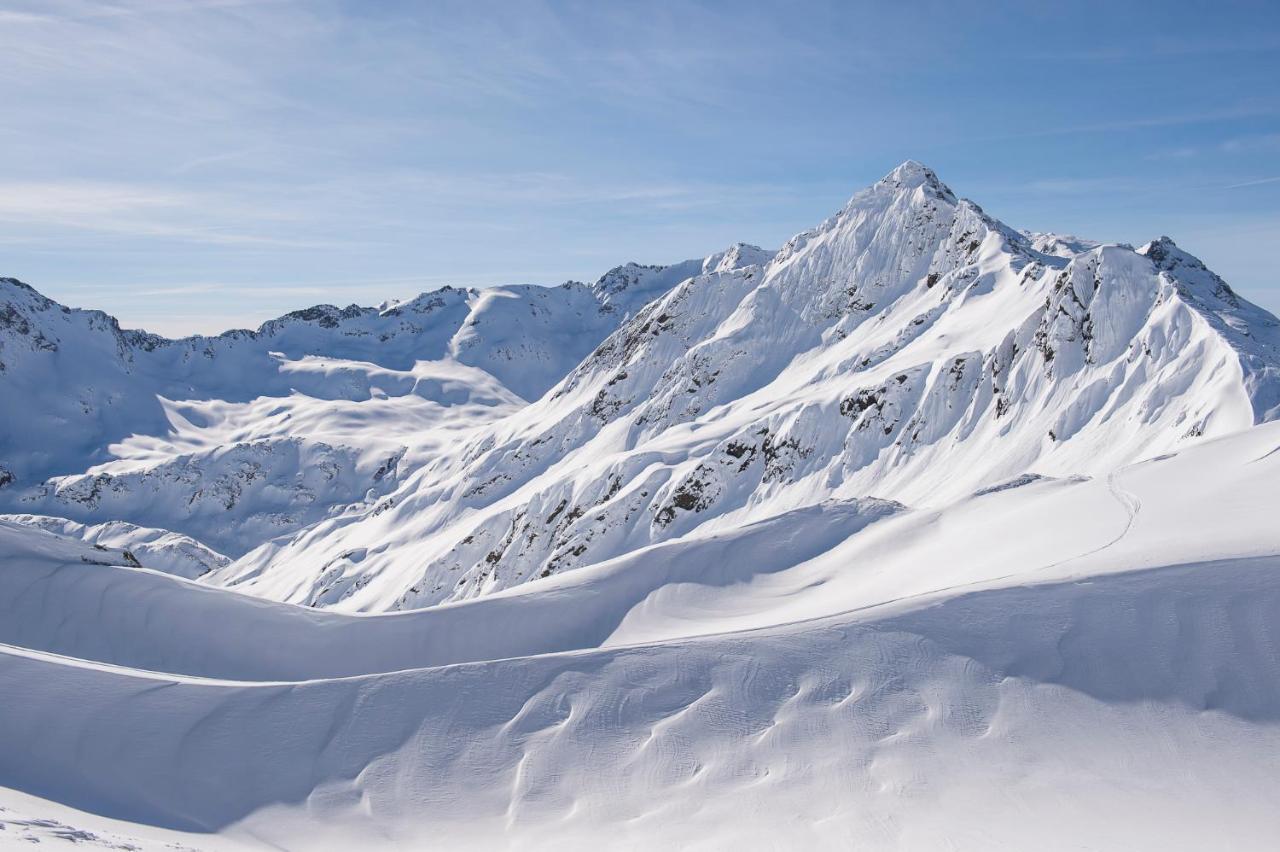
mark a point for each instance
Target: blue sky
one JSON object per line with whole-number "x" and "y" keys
{"x": 192, "y": 167}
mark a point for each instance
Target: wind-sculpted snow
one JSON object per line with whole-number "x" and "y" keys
{"x": 893, "y": 734}
{"x": 910, "y": 348}
{"x": 168, "y": 624}
{"x": 853, "y": 674}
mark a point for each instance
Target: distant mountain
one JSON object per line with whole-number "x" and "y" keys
{"x": 241, "y": 437}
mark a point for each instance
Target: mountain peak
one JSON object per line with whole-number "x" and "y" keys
{"x": 1160, "y": 250}
{"x": 737, "y": 256}
{"x": 1168, "y": 256}
{"x": 911, "y": 174}
{"x": 909, "y": 169}
{"x": 1192, "y": 274}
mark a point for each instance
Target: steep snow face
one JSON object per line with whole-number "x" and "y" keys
{"x": 1254, "y": 333}
{"x": 910, "y": 348}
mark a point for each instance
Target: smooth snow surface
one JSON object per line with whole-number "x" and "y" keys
{"x": 919, "y": 533}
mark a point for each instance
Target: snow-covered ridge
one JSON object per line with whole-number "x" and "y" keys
{"x": 911, "y": 348}
{"x": 241, "y": 437}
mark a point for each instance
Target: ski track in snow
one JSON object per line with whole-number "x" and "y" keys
{"x": 1131, "y": 505}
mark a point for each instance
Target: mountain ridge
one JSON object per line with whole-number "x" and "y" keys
{"x": 909, "y": 333}
{"x": 859, "y": 359}
{"x": 523, "y": 336}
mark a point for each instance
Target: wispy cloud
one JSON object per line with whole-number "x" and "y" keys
{"x": 1082, "y": 186}
{"x": 235, "y": 151}
{"x": 1173, "y": 46}
{"x": 1264, "y": 142}
{"x": 1141, "y": 122}
{"x": 1258, "y": 182}
{"x": 1258, "y": 143}
{"x": 1183, "y": 152}
{"x": 33, "y": 209}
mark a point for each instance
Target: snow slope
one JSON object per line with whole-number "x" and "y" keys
{"x": 911, "y": 348}
{"x": 203, "y": 436}
{"x": 152, "y": 548}
{"x": 932, "y": 677}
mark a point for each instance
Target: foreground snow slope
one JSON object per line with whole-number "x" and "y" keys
{"x": 911, "y": 348}
{"x": 1212, "y": 502}
{"x": 931, "y": 677}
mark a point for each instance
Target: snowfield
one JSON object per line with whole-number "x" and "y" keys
{"x": 1110, "y": 680}
{"x": 919, "y": 533}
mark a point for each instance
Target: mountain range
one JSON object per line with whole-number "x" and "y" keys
{"x": 911, "y": 348}
{"x": 790, "y": 541}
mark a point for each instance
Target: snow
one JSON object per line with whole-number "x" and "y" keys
{"x": 920, "y": 532}
{"x": 160, "y": 550}
{"x": 930, "y": 676}
{"x": 124, "y": 425}
{"x": 911, "y": 348}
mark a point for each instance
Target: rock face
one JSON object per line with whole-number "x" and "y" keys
{"x": 910, "y": 348}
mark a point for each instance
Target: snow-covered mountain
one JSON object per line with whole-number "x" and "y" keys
{"x": 911, "y": 348}
{"x": 921, "y": 532}
{"x": 242, "y": 437}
